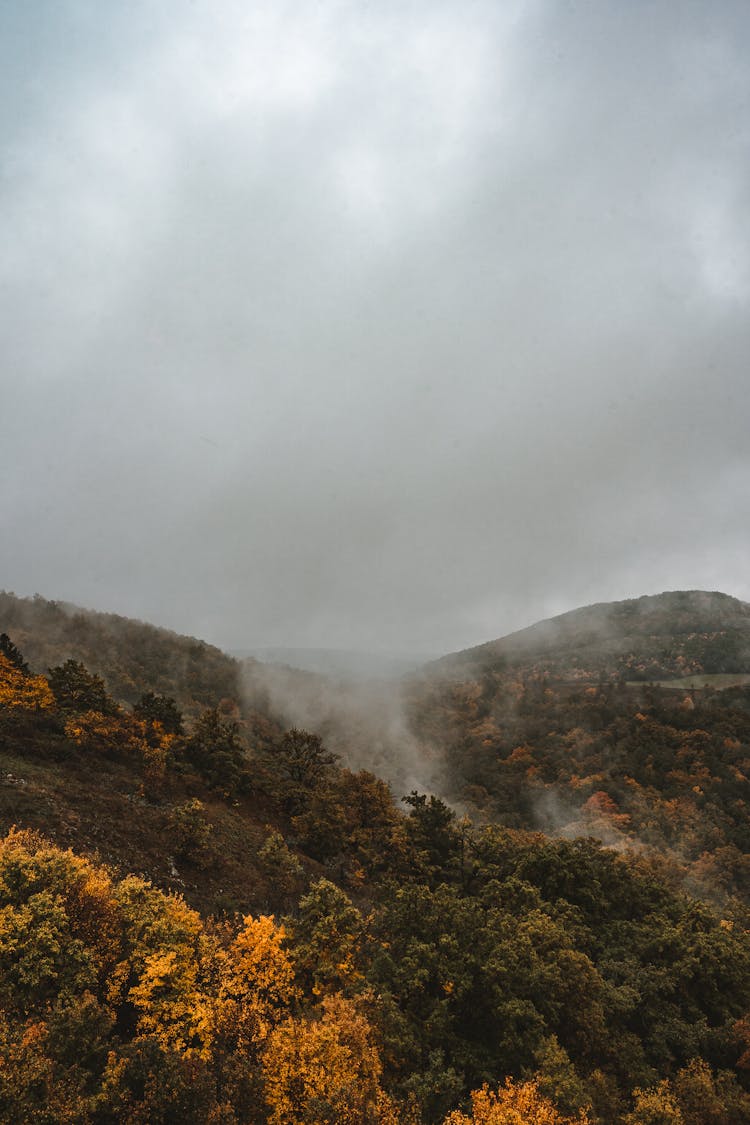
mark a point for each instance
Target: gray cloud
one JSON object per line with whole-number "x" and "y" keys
{"x": 393, "y": 326}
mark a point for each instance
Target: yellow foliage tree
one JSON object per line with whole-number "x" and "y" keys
{"x": 256, "y": 984}
{"x": 171, "y": 960}
{"x": 172, "y": 1006}
{"x": 21, "y": 692}
{"x": 655, "y": 1106}
{"x": 115, "y": 733}
{"x": 119, "y": 733}
{"x": 325, "y": 1070}
{"x": 64, "y": 905}
{"x": 514, "y": 1104}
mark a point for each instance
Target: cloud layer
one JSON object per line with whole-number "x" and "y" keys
{"x": 374, "y": 326}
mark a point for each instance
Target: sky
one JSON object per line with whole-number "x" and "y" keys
{"x": 378, "y": 326}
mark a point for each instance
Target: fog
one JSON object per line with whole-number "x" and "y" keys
{"x": 364, "y": 722}
{"x": 388, "y": 328}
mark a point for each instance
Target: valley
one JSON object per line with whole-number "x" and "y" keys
{"x": 515, "y": 867}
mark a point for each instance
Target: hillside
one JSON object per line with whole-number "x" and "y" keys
{"x": 131, "y": 656}
{"x": 583, "y": 725}
{"x": 410, "y": 957}
{"x": 659, "y": 637}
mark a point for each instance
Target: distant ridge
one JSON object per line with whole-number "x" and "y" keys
{"x": 664, "y": 636}
{"x": 337, "y": 663}
{"x": 131, "y": 656}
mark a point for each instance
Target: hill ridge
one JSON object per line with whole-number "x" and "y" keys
{"x": 130, "y": 655}
{"x": 646, "y": 626}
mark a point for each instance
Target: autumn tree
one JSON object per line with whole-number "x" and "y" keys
{"x": 114, "y": 732}
{"x": 22, "y": 692}
{"x": 513, "y": 1104}
{"x": 325, "y": 1070}
{"x": 695, "y": 1096}
{"x": 256, "y": 985}
{"x": 655, "y": 1106}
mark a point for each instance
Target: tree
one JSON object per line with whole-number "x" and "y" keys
{"x": 282, "y": 871}
{"x": 76, "y": 689}
{"x": 352, "y": 818}
{"x": 514, "y": 1104}
{"x": 190, "y": 830}
{"x": 325, "y": 1070}
{"x": 215, "y": 749}
{"x": 557, "y": 1078}
{"x": 694, "y": 1097}
{"x": 160, "y": 709}
{"x": 256, "y": 985}
{"x": 115, "y": 733}
{"x": 327, "y": 936}
{"x": 11, "y": 653}
{"x": 431, "y": 829}
{"x": 171, "y": 1001}
{"x": 20, "y": 691}
{"x": 655, "y": 1106}
{"x": 299, "y": 765}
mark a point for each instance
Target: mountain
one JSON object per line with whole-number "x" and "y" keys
{"x": 606, "y": 721}
{"x": 656, "y": 637}
{"x": 131, "y": 656}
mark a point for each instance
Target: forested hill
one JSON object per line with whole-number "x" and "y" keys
{"x": 354, "y": 964}
{"x": 664, "y": 636}
{"x": 628, "y": 721}
{"x": 130, "y": 656}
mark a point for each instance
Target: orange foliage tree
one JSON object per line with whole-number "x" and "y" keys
{"x": 514, "y": 1104}
{"x": 325, "y": 1069}
{"x": 21, "y": 691}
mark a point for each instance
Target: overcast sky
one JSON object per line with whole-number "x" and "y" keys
{"x": 373, "y": 325}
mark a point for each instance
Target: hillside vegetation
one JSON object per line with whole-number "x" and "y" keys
{"x": 131, "y": 656}
{"x": 547, "y": 729}
{"x": 244, "y": 930}
{"x": 657, "y": 637}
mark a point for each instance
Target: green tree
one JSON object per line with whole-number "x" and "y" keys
{"x": 215, "y": 750}
{"x": 299, "y": 765}
{"x": 9, "y": 650}
{"x": 327, "y": 940}
{"x": 190, "y": 831}
{"x": 432, "y": 832}
{"x": 160, "y": 709}
{"x": 282, "y": 871}
{"x": 76, "y": 689}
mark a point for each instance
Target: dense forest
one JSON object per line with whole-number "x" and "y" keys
{"x": 634, "y": 767}
{"x": 557, "y": 728}
{"x": 663, "y": 636}
{"x": 206, "y": 917}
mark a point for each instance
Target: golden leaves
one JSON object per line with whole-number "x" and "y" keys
{"x": 516, "y": 1103}
{"x": 19, "y": 691}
